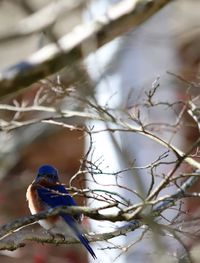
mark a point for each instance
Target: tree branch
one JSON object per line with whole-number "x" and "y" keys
{"x": 161, "y": 205}
{"x": 119, "y": 19}
{"x": 41, "y": 20}
{"x": 123, "y": 126}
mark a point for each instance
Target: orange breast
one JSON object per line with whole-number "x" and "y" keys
{"x": 36, "y": 205}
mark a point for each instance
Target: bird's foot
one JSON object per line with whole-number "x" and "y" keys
{"x": 53, "y": 236}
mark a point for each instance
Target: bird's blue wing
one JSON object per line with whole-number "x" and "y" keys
{"x": 55, "y": 196}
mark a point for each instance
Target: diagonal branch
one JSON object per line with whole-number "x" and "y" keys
{"x": 119, "y": 19}
{"x": 41, "y": 20}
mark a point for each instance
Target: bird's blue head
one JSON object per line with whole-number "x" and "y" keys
{"x": 48, "y": 173}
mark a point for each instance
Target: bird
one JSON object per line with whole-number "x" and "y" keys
{"x": 46, "y": 192}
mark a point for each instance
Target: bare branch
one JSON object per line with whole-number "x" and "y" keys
{"x": 40, "y": 20}
{"x": 194, "y": 112}
{"x": 124, "y": 126}
{"x": 159, "y": 207}
{"x": 68, "y": 50}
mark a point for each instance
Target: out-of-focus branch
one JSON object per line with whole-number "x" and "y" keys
{"x": 40, "y": 20}
{"x": 119, "y": 19}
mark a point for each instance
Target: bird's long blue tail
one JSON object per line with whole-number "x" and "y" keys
{"x": 85, "y": 242}
{"x": 73, "y": 224}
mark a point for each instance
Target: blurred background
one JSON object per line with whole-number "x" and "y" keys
{"x": 123, "y": 70}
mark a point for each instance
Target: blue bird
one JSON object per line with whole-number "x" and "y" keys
{"x": 46, "y": 192}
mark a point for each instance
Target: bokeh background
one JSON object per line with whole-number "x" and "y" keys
{"x": 167, "y": 42}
